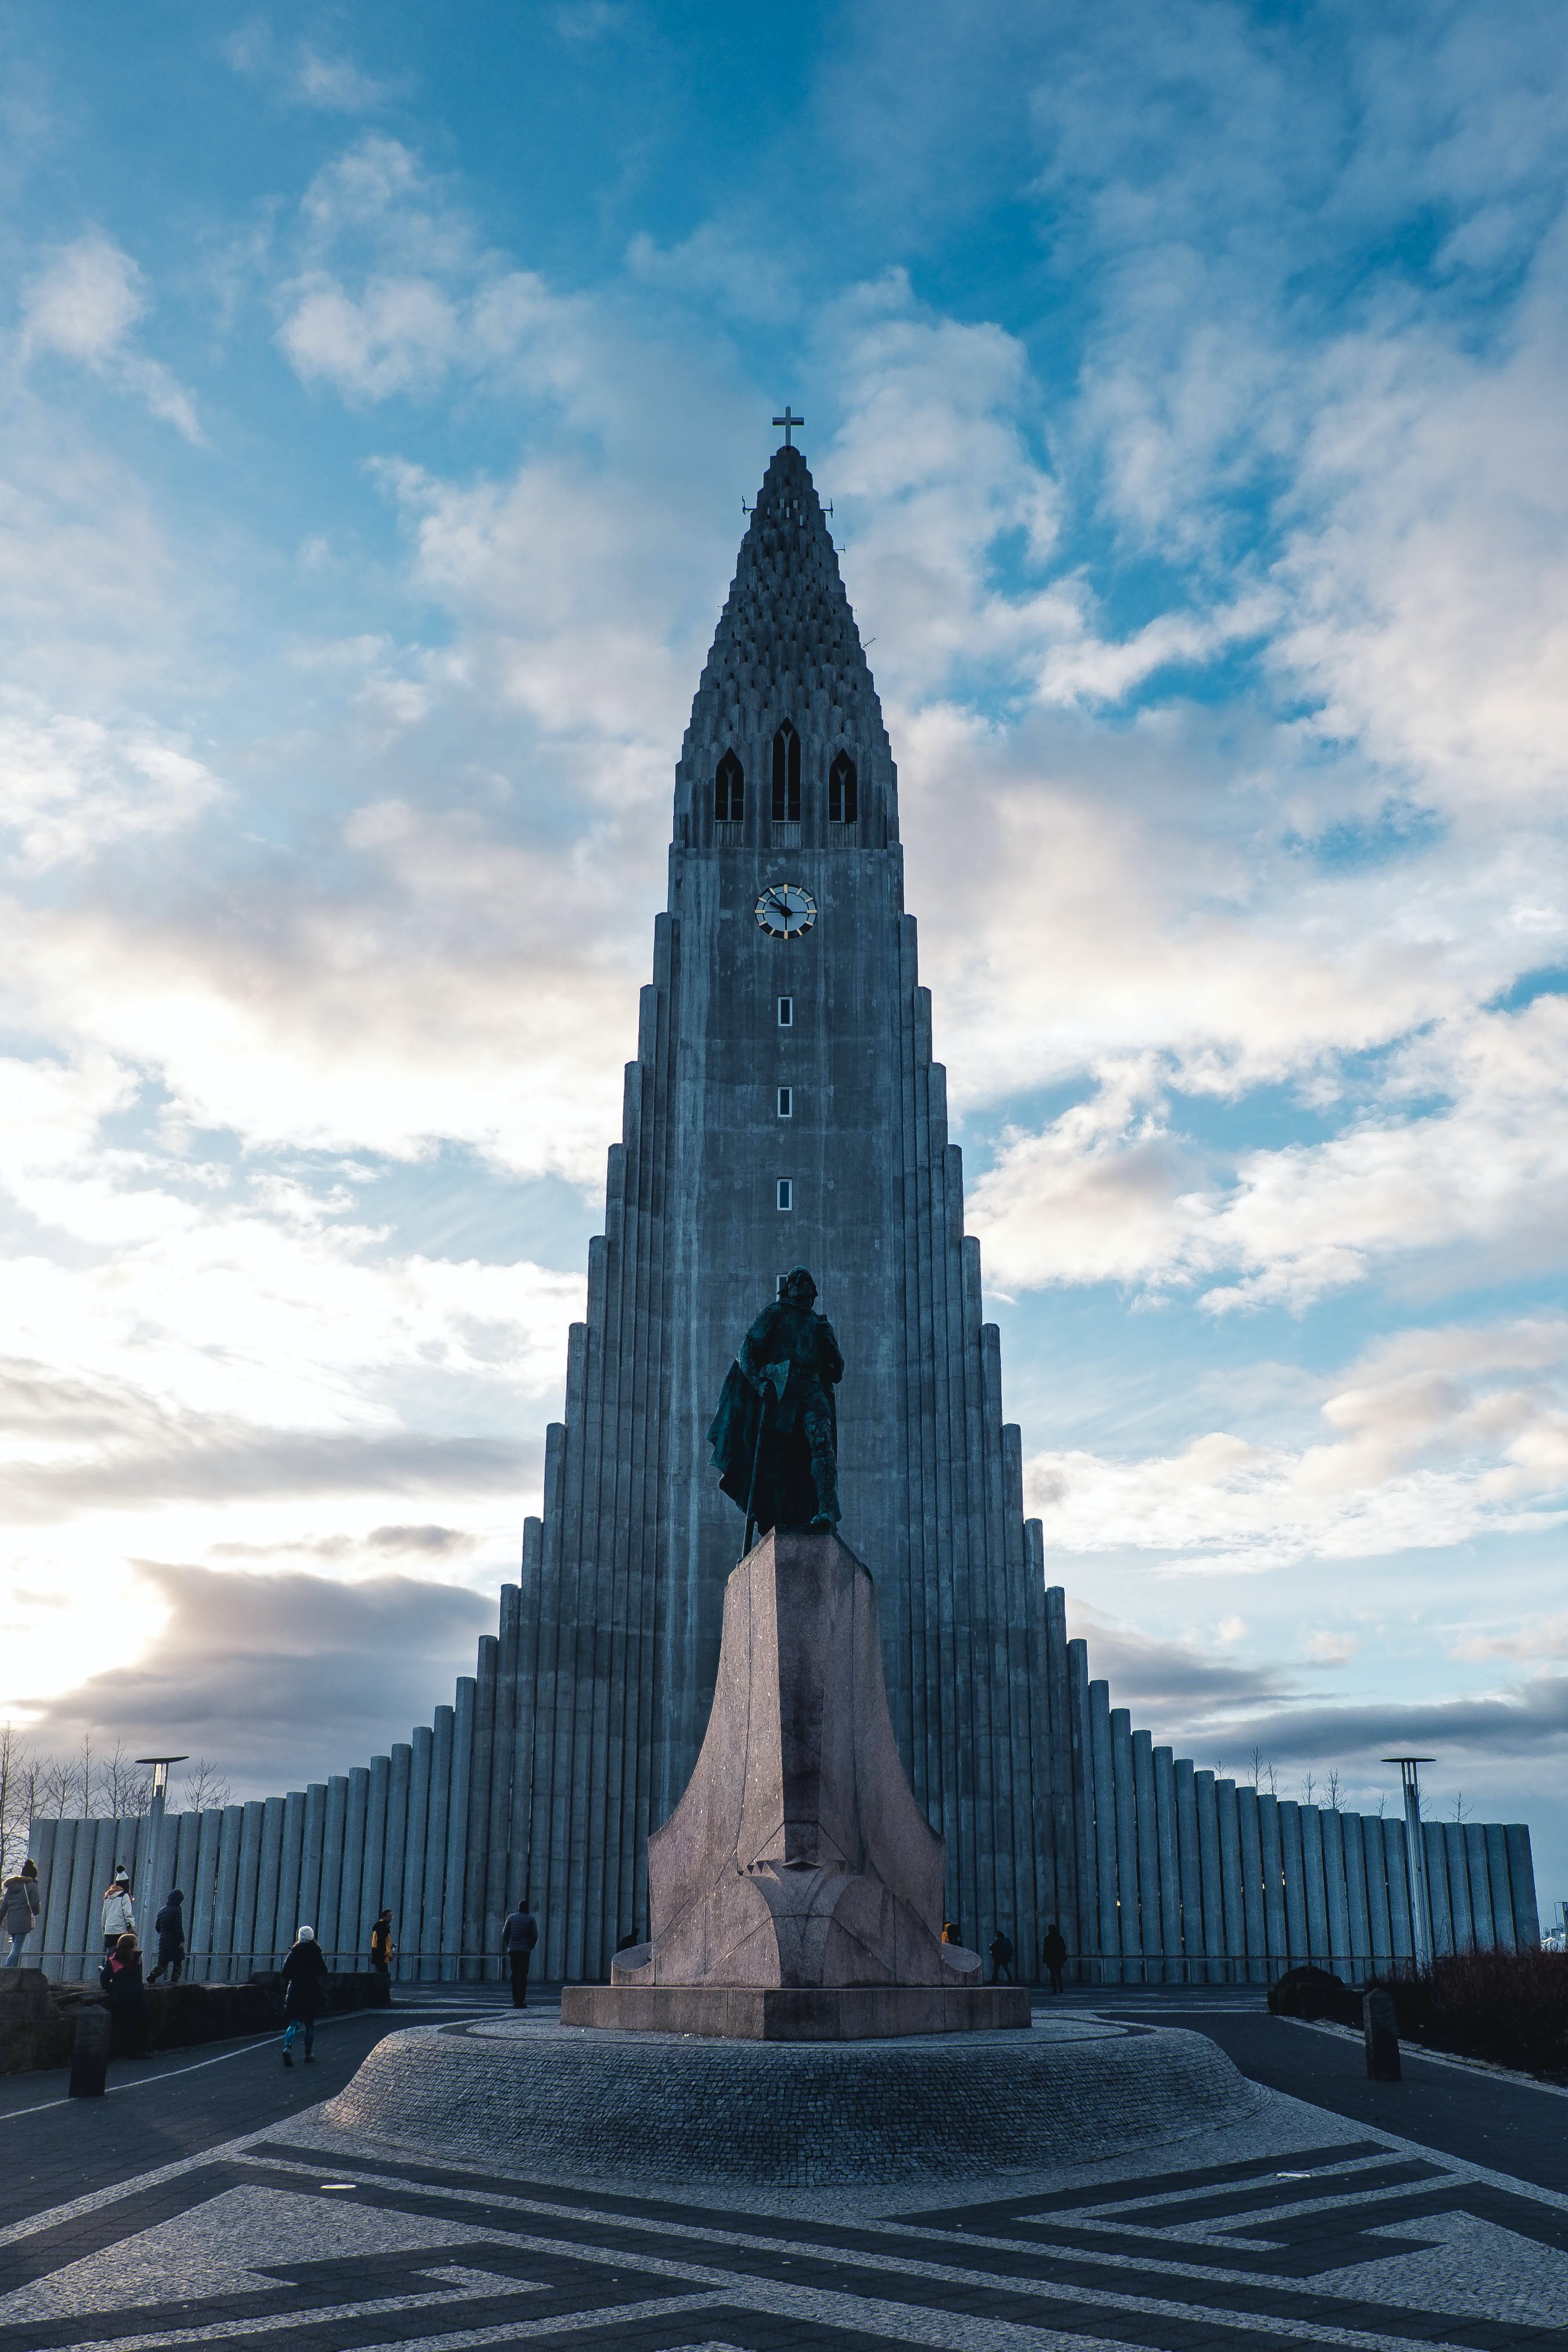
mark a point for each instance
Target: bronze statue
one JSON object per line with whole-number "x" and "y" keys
{"x": 775, "y": 1434}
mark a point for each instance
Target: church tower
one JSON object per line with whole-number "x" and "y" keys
{"x": 784, "y": 1109}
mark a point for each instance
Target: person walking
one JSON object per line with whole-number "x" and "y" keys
{"x": 20, "y": 1909}
{"x": 119, "y": 1917}
{"x": 1054, "y": 1952}
{"x": 1001, "y": 1957}
{"x": 518, "y": 1940}
{"x": 120, "y": 1977}
{"x": 304, "y": 1979}
{"x": 170, "y": 1929}
{"x": 950, "y": 1933}
{"x": 382, "y": 1950}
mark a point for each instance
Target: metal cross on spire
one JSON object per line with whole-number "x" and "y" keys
{"x": 789, "y": 422}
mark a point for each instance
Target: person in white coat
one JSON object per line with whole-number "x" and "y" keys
{"x": 119, "y": 1918}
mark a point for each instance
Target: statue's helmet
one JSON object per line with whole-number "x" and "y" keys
{"x": 798, "y": 1283}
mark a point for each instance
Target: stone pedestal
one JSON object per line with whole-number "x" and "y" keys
{"x": 795, "y": 1892}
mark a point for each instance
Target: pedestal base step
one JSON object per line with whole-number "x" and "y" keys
{"x": 797, "y": 2012}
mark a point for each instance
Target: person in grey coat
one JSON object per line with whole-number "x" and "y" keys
{"x": 518, "y": 1938}
{"x": 170, "y": 1926}
{"x": 20, "y": 1909}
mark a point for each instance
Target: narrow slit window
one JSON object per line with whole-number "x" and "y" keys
{"x": 786, "y": 1102}
{"x": 786, "y": 775}
{"x": 728, "y": 790}
{"x": 786, "y": 1193}
{"x": 843, "y": 792}
{"x": 786, "y": 1012}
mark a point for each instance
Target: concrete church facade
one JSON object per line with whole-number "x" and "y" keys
{"x": 784, "y": 1109}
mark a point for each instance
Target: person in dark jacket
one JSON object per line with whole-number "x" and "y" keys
{"x": 120, "y": 1977}
{"x": 381, "y": 1948}
{"x": 20, "y": 1909}
{"x": 1001, "y": 1957}
{"x": 170, "y": 1926}
{"x": 304, "y": 1988}
{"x": 1054, "y": 1952}
{"x": 518, "y": 1940}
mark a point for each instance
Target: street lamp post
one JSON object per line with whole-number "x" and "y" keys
{"x": 1416, "y": 1856}
{"x": 155, "y": 1841}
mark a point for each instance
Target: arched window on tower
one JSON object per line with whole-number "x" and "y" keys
{"x": 787, "y": 776}
{"x": 843, "y": 792}
{"x": 728, "y": 790}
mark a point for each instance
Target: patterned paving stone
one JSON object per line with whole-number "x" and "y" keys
{"x": 1325, "y": 2220}
{"x": 1291, "y": 2228}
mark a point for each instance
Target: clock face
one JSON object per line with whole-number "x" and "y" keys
{"x": 786, "y": 910}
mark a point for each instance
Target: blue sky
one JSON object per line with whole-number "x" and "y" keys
{"x": 378, "y": 391}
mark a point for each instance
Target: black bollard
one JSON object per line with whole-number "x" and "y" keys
{"x": 89, "y": 2053}
{"x": 1381, "y": 2027}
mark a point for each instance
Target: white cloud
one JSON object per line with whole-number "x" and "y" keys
{"x": 71, "y": 789}
{"x": 398, "y": 336}
{"x": 85, "y": 303}
{"x": 1109, "y": 1191}
{"x": 1434, "y": 1438}
{"x": 338, "y": 84}
{"x": 83, "y": 306}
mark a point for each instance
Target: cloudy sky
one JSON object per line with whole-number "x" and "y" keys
{"x": 380, "y": 388}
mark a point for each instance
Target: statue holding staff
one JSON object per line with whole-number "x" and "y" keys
{"x": 775, "y": 1434}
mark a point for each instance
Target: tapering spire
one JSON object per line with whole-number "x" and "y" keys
{"x": 787, "y": 648}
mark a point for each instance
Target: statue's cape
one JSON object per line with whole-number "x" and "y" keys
{"x": 733, "y": 1435}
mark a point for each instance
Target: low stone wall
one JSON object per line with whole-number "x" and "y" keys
{"x": 37, "y": 2015}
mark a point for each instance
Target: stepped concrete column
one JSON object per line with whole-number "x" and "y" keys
{"x": 1231, "y": 1904}
{"x": 1249, "y": 1828}
{"x": 1209, "y": 1869}
{"x": 1521, "y": 1886}
{"x": 436, "y": 1840}
{"x": 1378, "y": 1920}
{"x": 1169, "y": 1866}
{"x": 57, "y": 1895}
{"x": 264, "y": 1933}
{"x": 411, "y": 1898}
{"x": 1190, "y": 1864}
{"x": 1317, "y": 1892}
{"x": 1350, "y": 1827}
{"x": 249, "y": 1889}
{"x": 349, "y": 1933}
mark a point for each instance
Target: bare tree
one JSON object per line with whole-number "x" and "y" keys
{"x": 1335, "y": 1795}
{"x": 57, "y": 1786}
{"x": 1462, "y": 1810}
{"x": 1307, "y": 1785}
{"x": 125, "y": 1787}
{"x": 22, "y": 1778}
{"x": 13, "y": 1752}
{"x": 205, "y": 1789}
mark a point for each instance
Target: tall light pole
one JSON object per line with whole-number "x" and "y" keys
{"x": 155, "y": 1842}
{"x": 1416, "y": 1856}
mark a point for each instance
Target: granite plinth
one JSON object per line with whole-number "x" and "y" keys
{"x": 798, "y": 2013}
{"x": 798, "y": 1858}
{"x": 554, "y": 2102}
